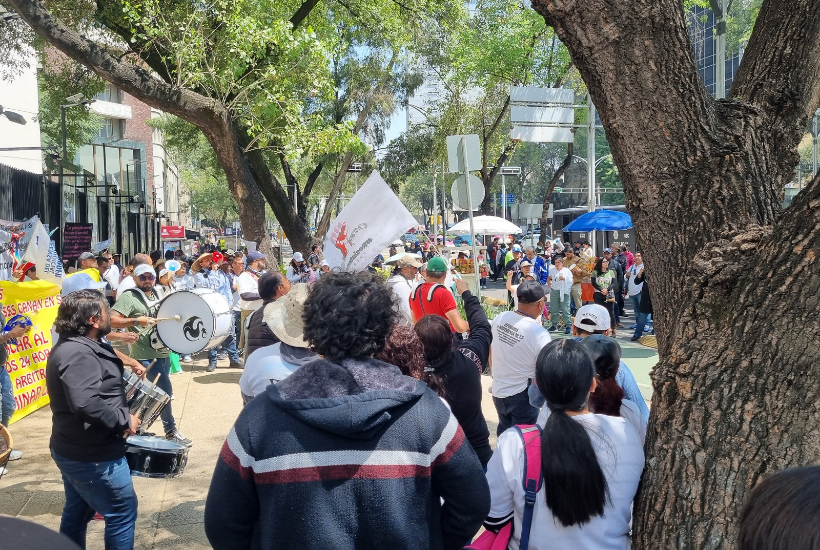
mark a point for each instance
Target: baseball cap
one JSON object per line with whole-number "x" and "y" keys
{"x": 324, "y": 263}
{"x": 143, "y": 269}
{"x": 80, "y": 281}
{"x": 530, "y": 292}
{"x": 516, "y": 248}
{"x": 608, "y": 250}
{"x": 87, "y": 256}
{"x": 163, "y": 272}
{"x": 409, "y": 259}
{"x": 256, "y": 255}
{"x": 436, "y": 265}
{"x": 525, "y": 263}
{"x": 592, "y": 317}
{"x": 297, "y": 257}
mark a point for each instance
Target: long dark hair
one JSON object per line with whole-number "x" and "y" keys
{"x": 76, "y": 309}
{"x": 404, "y": 349}
{"x": 437, "y": 339}
{"x": 606, "y": 356}
{"x": 576, "y": 488}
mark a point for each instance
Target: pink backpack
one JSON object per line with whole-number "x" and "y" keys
{"x": 531, "y": 439}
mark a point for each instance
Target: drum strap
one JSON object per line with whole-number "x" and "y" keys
{"x": 149, "y": 303}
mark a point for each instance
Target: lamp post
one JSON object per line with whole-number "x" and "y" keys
{"x": 592, "y": 190}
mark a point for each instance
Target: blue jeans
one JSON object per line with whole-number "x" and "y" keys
{"x": 237, "y": 325}
{"x": 228, "y": 344}
{"x": 641, "y": 322}
{"x": 104, "y": 487}
{"x": 512, "y": 410}
{"x": 636, "y": 303}
{"x": 7, "y": 404}
{"x": 161, "y": 368}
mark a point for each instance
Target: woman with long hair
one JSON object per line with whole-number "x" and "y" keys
{"x": 591, "y": 463}
{"x": 608, "y": 397}
{"x": 603, "y": 280}
{"x": 404, "y": 350}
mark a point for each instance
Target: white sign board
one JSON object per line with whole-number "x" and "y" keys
{"x": 541, "y": 115}
{"x": 373, "y": 219}
{"x": 454, "y": 155}
{"x": 459, "y": 192}
{"x": 541, "y": 134}
{"x": 532, "y": 94}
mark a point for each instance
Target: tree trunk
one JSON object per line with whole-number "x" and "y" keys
{"x": 556, "y": 177}
{"x": 735, "y": 386}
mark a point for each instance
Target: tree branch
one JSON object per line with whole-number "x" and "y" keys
{"x": 311, "y": 180}
{"x": 302, "y": 13}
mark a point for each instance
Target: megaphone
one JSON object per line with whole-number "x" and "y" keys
{"x": 172, "y": 265}
{"x": 218, "y": 257}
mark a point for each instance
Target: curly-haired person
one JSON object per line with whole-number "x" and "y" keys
{"x": 347, "y": 452}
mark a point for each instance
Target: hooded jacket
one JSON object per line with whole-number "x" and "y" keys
{"x": 346, "y": 455}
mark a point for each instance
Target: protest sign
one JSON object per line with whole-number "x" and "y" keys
{"x": 76, "y": 239}
{"x": 43, "y": 254}
{"x": 372, "y": 219}
{"x": 26, "y": 364}
{"x": 14, "y": 239}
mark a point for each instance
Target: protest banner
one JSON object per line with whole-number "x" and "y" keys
{"x": 372, "y": 219}
{"x": 26, "y": 364}
{"x": 14, "y": 238}
{"x": 43, "y": 254}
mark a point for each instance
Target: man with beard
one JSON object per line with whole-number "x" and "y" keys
{"x": 90, "y": 420}
{"x": 137, "y": 307}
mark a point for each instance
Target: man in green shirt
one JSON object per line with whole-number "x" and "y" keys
{"x": 137, "y": 307}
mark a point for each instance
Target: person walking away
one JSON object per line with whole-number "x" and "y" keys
{"x": 137, "y": 307}
{"x": 560, "y": 283}
{"x": 457, "y": 370}
{"x": 433, "y": 298}
{"x": 248, "y": 288}
{"x": 633, "y": 288}
{"x": 645, "y": 308}
{"x": 273, "y": 363}
{"x": 208, "y": 275}
{"x": 90, "y": 420}
{"x": 603, "y": 281}
{"x": 402, "y": 283}
{"x": 618, "y": 287}
{"x": 272, "y": 286}
{"x": 298, "y": 271}
{"x": 397, "y": 471}
{"x": 518, "y": 337}
{"x": 590, "y": 464}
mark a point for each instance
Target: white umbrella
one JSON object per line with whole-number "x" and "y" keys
{"x": 398, "y": 242}
{"x": 485, "y": 225}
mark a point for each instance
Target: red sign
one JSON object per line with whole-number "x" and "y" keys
{"x": 172, "y": 232}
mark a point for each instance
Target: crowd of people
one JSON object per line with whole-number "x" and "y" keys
{"x": 362, "y": 424}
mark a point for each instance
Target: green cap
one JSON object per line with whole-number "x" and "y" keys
{"x": 436, "y": 265}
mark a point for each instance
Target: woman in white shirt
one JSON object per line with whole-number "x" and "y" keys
{"x": 560, "y": 282}
{"x": 591, "y": 464}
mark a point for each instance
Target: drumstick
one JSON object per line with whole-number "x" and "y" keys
{"x": 174, "y": 318}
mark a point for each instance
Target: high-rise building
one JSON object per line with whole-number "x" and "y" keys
{"x": 701, "y": 26}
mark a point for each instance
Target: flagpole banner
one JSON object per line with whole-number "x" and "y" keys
{"x": 14, "y": 238}
{"x": 372, "y": 219}
{"x": 26, "y": 364}
{"x": 42, "y": 253}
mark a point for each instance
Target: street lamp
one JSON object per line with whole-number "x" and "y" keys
{"x": 507, "y": 171}
{"x": 17, "y": 118}
{"x": 591, "y": 180}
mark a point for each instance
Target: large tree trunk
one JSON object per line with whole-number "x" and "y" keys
{"x": 734, "y": 280}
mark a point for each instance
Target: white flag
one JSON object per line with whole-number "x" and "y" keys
{"x": 372, "y": 219}
{"x": 43, "y": 254}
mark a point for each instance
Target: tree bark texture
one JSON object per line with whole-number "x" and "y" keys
{"x": 207, "y": 114}
{"x": 734, "y": 279}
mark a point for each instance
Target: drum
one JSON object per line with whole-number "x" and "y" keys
{"x": 156, "y": 457}
{"x": 145, "y": 401}
{"x": 205, "y": 320}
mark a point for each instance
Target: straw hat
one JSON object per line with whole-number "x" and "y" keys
{"x": 196, "y": 265}
{"x": 284, "y": 316}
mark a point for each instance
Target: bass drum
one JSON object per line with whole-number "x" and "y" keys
{"x": 205, "y": 320}
{"x": 149, "y": 456}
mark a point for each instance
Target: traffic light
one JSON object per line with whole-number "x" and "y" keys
{"x": 437, "y": 218}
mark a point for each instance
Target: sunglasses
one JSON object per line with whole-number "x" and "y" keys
{"x": 146, "y": 277}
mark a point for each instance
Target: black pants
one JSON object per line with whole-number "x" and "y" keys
{"x": 599, "y": 298}
{"x": 512, "y": 410}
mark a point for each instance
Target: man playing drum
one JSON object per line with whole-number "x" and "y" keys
{"x": 137, "y": 307}
{"x": 90, "y": 418}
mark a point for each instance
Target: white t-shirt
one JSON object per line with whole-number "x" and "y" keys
{"x": 112, "y": 276}
{"x": 621, "y": 457}
{"x": 125, "y": 284}
{"x": 248, "y": 283}
{"x": 517, "y": 340}
{"x": 564, "y": 284}
{"x": 264, "y": 367}
{"x": 632, "y": 288}
{"x": 629, "y": 411}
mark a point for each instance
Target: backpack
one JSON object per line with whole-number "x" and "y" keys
{"x": 532, "y": 481}
{"x": 429, "y": 295}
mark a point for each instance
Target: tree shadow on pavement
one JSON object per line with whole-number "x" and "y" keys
{"x": 219, "y": 378}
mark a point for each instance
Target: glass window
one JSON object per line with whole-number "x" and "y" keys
{"x": 130, "y": 179}
{"x": 113, "y": 172}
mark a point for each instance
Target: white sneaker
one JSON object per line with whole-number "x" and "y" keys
{"x": 15, "y": 455}
{"x": 187, "y": 359}
{"x": 2, "y": 471}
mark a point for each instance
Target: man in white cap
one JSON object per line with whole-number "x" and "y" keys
{"x": 401, "y": 283}
{"x": 247, "y": 285}
{"x": 137, "y": 307}
{"x": 274, "y": 363}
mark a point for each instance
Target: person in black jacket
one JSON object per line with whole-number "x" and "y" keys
{"x": 272, "y": 286}
{"x": 618, "y": 288}
{"x": 458, "y": 370}
{"x": 645, "y": 307}
{"x": 90, "y": 420}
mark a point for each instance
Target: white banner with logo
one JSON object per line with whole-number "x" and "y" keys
{"x": 372, "y": 219}
{"x": 14, "y": 238}
{"x": 43, "y": 254}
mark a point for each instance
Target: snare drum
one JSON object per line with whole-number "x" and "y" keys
{"x": 155, "y": 457}
{"x": 145, "y": 401}
{"x": 205, "y": 320}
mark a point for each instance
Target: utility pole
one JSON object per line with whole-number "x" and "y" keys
{"x": 591, "y": 156}
{"x": 435, "y": 214}
{"x": 503, "y": 195}
{"x": 719, "y": 10}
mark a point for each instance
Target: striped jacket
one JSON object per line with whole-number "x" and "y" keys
{"x": 346, "y": 455}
